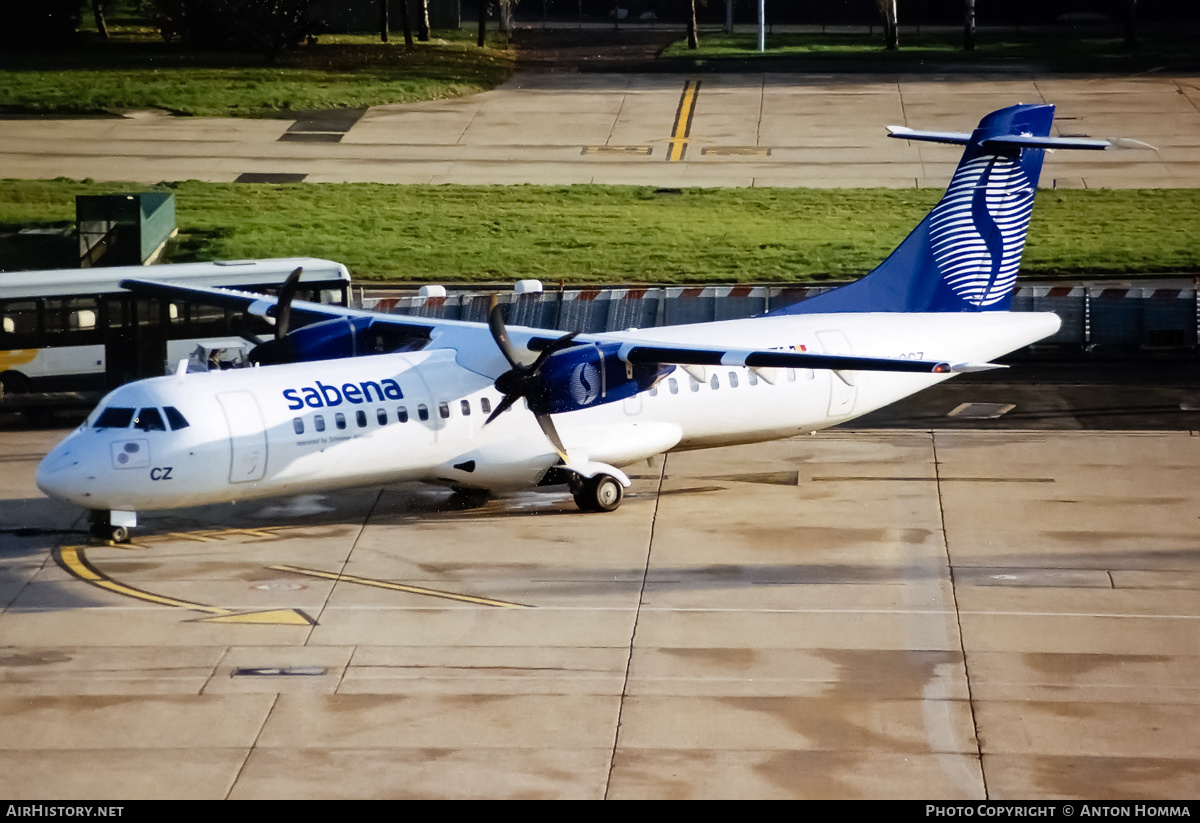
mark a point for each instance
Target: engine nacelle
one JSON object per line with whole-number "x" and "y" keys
{"x": 586, "y": 376}
{"x": 335, "y": 339}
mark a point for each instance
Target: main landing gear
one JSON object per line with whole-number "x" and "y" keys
{"x": 600, "y": 493}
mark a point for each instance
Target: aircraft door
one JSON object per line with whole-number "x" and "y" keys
{"x": 247, "y": 436}
{"x": 842, "y": 390}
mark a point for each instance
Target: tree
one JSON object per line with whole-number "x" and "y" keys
{"x": 269, "y": 26}
{"x": 891, "y": 26}
{"x": 423, "y": 22}
{"x": 692, "y": 34}
{"x": 968, "y": 25}
{"x": 98, "y": 16}
{"x": 46, "y": 22}
{"x": 406, "y": 24}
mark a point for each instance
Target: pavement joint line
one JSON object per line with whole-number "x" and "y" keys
{"x": 683, "y": 121}
{"x": 401, "y": 587}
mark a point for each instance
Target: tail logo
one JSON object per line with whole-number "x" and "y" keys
{"x": 977, "y": 231}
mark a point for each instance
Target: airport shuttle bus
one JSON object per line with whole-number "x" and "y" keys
{"x": 78, "y": 330}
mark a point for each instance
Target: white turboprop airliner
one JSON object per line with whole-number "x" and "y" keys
{"x": 356, "y": 398}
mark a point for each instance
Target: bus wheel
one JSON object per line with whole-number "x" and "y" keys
{"x": 12, "y": 382}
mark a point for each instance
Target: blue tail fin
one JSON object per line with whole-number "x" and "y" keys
{"x": 965, "y": 254}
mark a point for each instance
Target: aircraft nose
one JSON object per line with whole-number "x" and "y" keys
{"x": 62, "y": 475}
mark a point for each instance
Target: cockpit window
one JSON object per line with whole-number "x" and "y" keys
{"x": 114, "y": 417}
{"x": 149, "y": 420}
{"x": 177, "y": 420}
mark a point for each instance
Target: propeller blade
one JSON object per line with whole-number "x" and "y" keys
{"x": 552, "y": 435}
{"x": 283, "y": 309}
{"x": 557, "y": 346}
{"x": 503, "y": 406}
{"x": 500, "y": 335}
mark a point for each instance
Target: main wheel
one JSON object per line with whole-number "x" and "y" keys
{"x": 602, "y": 493}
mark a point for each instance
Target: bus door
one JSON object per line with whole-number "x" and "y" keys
{"x": 247, "y": 436}
{"x": 150, "y": 337}
{"x": 120, "y": 341}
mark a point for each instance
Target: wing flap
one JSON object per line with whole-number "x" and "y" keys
{"x": 757, "y": 359}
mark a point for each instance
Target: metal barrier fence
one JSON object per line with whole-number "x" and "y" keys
{"x": 1118, "y": 316}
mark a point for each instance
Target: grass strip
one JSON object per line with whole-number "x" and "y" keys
{"x": 1101, "y": 48}
{"x": 620, "y": 234}
{"x": 341, "y": 72}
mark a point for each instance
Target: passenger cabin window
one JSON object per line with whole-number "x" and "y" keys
{"x": 694, "y": 383}
{"x": 114, "y": 418}
{"x": 423, "y": 412}
{"x": 319, "y": 422}
{"x": 381, "y": 416}
{"x": 733, "y": 381}
{"x": 444, "y": 409}
{"x": 715, "y": 382}
{"x": 298, "y": 425}
{"x": 485, "y": 405}
{"x": 673, "y": 384}
{"x": 177, "y": 420}
{"x": 360, "y": 417}
{"x": 753, "y": 378}
{"x": 149, "y": 420}
{"x": 791, "y": 373}
{"x": 466, "y": 408}
{"x": 401, "y": 414}
{"x": 339, "y": 420}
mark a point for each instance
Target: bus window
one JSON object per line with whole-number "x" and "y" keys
{"x": 71, "y": 321}
{"x": 207, "y": 321}
{"x": 177, "y": 420}
{"x": 114, "y": 417}
{"x": 19, "y": 324}
{"x": 149, "y": 420}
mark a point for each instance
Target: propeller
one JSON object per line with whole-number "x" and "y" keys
{"x": 525, "y": 379}
{"x": 277, "y": 351}
{"x": 283, "y": 308}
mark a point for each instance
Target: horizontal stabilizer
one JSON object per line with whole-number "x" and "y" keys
{"x": 1032, "y": 141}
{"x": 953, "y": 137}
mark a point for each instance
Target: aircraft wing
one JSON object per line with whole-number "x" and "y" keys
{"x": 264, "y": 305}
{"x": 440, "y": 332}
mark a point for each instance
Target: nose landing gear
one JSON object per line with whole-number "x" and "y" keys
{"x": 111, "y": 526}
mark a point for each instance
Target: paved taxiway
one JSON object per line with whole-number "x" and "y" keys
{"x": 871, "y": 613}
{"x": 641, "y": 129}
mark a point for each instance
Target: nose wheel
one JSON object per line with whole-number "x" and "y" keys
{"x": 103, "y": 529}
{"x": 602, "y": 493}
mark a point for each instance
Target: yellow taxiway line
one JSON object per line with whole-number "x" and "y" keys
{"x": 683, "y": 121}
{"x": 74, "y": 561}
{"x": 400, "y": 587}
